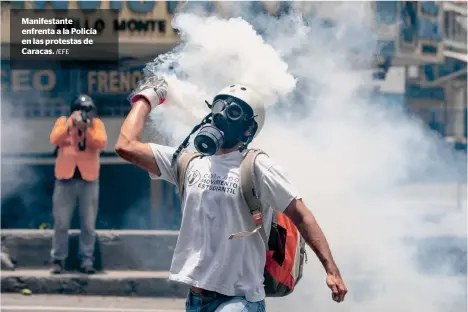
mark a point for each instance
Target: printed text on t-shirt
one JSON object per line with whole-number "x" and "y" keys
{"x": 214, "y": 182}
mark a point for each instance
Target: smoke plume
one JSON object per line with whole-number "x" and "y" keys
{"x": 388, "y": 193}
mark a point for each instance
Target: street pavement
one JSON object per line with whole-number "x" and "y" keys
{"x": 67, "y": 303}
{"x": 73, "y": 303}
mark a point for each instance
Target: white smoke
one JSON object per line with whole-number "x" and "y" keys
{"x": 15, "y": 134}
{"x": 375, "y": 178}
{"x": 216, "y": 53}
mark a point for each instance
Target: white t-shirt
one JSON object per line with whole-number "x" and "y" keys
{"x": 213, "y": 208}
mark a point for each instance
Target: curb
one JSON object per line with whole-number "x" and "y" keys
{"x": 114, "y": 250}
{"x": 115, "y": 283}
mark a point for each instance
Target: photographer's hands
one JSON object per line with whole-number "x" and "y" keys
{"x": 78, "y": 122}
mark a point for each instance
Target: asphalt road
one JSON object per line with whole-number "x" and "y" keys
{"x": 73, "y": 303}
{"x": 64, "y": 303}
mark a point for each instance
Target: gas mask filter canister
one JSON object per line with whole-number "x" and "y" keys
{"x": 209, "y": 140}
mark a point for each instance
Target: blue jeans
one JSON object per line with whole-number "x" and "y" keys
{"x": 219, "y": 303}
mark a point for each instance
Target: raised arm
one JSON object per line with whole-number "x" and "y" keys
{"x": 150, "y": 93}
{"x": 60, "y": 130}
{"x": 97, "y": 135}
{"x": 129, "y": 146}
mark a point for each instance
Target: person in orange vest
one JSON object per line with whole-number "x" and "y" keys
{"x": 79, "y": 139}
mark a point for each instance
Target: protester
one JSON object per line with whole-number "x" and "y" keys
{"x": 225, "y": 271}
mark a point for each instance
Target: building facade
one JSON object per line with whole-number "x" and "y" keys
{"x": 421, "y": 65}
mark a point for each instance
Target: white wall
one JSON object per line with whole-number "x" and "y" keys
{"x": 394, "y": 81}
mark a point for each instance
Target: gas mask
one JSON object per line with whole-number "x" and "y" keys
{"x": 230, "y": 119}
{"x": 237, "y": 116}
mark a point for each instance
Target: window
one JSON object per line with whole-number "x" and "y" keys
{"x": 413, "y": 72}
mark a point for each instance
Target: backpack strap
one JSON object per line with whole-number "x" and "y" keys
{"x": 182, "y": 164}
{"x": 248, "y": 192}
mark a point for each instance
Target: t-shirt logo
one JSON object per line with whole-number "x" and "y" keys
{"x": 193, "y": 177}
{"x": 218, "y": 183}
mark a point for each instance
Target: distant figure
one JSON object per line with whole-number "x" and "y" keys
{"x": 79, "y": 139}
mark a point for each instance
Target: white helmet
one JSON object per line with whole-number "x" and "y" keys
{"x": 250, "y": 97}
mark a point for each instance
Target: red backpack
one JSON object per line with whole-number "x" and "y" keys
{"x": 285, "y": 247}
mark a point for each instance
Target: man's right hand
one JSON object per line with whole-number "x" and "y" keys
{"x": 78, "y": 121}
{"x": 75, "y": 116}
{"x": 153, "y": 90}
{"x": 150, "y": 93}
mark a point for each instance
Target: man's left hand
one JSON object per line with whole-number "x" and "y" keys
{"x": 337, "y": 286}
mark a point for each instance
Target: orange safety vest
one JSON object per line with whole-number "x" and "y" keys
{"x": 67, "y": 138}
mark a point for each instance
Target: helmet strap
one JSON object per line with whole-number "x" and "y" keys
{"x": 247, "y": 139}
{"x": 246, "y": 142}
{"x": 210, "y": 106}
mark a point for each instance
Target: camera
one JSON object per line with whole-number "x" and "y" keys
{"x": 85, "y": 104}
